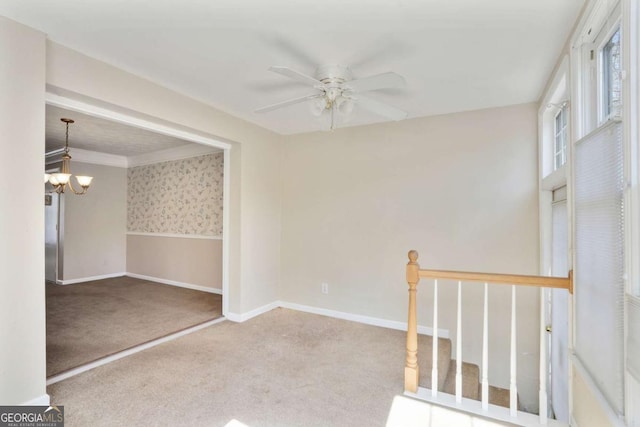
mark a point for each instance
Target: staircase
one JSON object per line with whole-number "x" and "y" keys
{"x": 471, "y": 387}
{"x": 465, "y": 392}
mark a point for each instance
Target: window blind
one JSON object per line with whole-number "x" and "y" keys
{"x": 599, "y": 251}
{"x": 633, "y": 338}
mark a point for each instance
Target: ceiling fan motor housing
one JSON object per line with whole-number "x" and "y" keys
{"x": 333, "y": 77}
{"x": 333, "y": 73}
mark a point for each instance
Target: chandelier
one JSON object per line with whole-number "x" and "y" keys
{"x": 60, "y": 180}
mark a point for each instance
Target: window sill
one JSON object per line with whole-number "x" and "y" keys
{"x": 555, "y": 179}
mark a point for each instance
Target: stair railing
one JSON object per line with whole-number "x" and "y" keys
{"x": 411, "y": 370}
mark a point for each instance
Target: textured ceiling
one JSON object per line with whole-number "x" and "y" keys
{"x": 95, "y": 134}
{"x": 455, "y": 55}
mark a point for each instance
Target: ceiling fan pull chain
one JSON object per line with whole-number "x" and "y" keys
{"x": 333, "y": 109}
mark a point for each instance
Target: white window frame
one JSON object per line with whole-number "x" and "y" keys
{"x": 601, "y": 41}
{"x": 556, "y": 98}
{"x": 631, "y": 119}
{"x": 586, "y": 70}
{"x": 560, "y": 136}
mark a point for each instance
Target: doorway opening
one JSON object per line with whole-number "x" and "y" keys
{"x": 145, "y": 251}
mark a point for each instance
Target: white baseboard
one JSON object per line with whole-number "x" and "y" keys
{"x": 175, "y": 283}
{"x": 43, "y": 400}
{"x": 235, "y": 317}
{"x": 375, "y": 321}
{"x": 89, "y": 279}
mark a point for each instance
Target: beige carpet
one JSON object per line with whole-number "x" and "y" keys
{"x": 284, "y": 368}
{"x": 87, "y": 321}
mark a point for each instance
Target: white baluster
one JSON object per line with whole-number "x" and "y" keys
{"x": 485, "y": 350}
{"x": 513, "y": 389}
{"x": 459, "y": 347}
{"x": 434, "y": 367}
{"x": 543, "y": 362}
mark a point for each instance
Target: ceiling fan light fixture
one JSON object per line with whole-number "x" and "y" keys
{"x": 332, "y": 94}
{"x": 345, "y": 106}
{"x": 317, "y": 106}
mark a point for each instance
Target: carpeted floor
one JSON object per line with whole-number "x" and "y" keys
{"x": 87, "y": 321}
{"x": 283, "y": 368}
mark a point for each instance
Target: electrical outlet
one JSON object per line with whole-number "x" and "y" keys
{"x": 325, "y": 288}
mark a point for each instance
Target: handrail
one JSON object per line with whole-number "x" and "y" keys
{"x": 511, "y": 279}
{"x": 411, "y": 371}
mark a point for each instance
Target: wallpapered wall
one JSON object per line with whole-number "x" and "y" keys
{"x": 177, "y": 197}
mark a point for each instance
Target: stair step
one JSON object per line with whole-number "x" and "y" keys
{"x": 425, "y": 352}
{"x": 470, "y": 380}
{"x": 471, "y": 387}
{"x": 498, "y": 396}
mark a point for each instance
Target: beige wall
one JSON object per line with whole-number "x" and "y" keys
{"x": 186, "y": 260}
{"x": 460, "y": 188}
{"x": 95, "y": 224}
{"x": 255, "y": 162}
{"x": 587, "y": 410}
{"x": 22, "y": 118}
{"x": 261, "y": 230}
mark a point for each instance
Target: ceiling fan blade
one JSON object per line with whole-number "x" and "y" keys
{"x": 296, "y": 53}
{"x": 295, "y": 75}
{"x": 379, "y": 81}
{"x": 381, "y": 108}
{"x": 287, "y": 103}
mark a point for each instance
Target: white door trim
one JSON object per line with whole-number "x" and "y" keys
{"x": 114, "y": 116}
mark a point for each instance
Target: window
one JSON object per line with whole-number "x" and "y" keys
{"x": 560, "y": 138}
{"x": 555, "y": 128}
{"x": 610, "y": 77}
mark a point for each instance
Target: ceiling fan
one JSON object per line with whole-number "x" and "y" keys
{"x": 336, "y": 92}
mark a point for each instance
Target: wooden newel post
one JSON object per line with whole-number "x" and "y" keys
{"x": 411, "y": 371}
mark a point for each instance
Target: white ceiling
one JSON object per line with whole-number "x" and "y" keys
{"x": 455, "y": 55}
{"x": 103, "y": 136}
